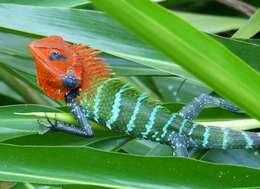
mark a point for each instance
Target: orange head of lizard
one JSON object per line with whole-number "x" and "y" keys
{"x": 62, "y": 67}
{"x": 58, "y": 69}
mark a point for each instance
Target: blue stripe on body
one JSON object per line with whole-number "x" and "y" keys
{"x": 249, "y": 141}
{"x": 116, "y": 106}
{"x": 194, "y": 126}
{"x": 225, "y": 138}
{"x": 168, "y": 124}
{"x": 97, "y": 99}
{"x": 206, "y": 137}
{"x": 131, "y": 125}
{"x": 151, "y": 121}
{"x": 183, "y": 124}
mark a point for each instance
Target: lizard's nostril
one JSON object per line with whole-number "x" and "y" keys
{"x": 70, "y": 81}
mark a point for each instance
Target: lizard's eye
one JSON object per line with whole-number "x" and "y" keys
{"x": 57, "y": 56}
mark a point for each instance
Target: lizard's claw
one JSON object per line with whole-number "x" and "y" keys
{"x": 51, "y": 124}
{"x": 44, "y": 127}
{"x": 59, "y": 126}
{"x": 43, "y": 123}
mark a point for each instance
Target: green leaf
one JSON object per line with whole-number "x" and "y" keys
{"x": 49, "y": 3}
{"x": 50, "y": 139}
{"x": 211, "y": 23}
{"x": 32, "y": 186}
{"x": 248, "y": 50}
{"x": 14, "y": 53}
{"x": 92, "y": 28}
{"x": 13, "y": 47}
{"x": 196, "y": 52}
{"x": 7, "y": 91}
{"x": 97, "y": 168}
{"x": 160, "y": 150}
{"x": 111, "y": 144}
{"x": 138, "y": 146}
{"x": 175, "y": 89}
{"x": 29, "y": 94}
{"x": 123, "y": 67}
{"x": 6, "y": 100}
{"x": 13, "y": 126}
{"x": 250, "y": 28}
{"x": 103, "y": 139}
{"x": 238, "y": 124}
{"x": 234, "y": 156}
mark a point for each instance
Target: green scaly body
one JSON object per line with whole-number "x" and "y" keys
{"x": 118, "y": 106}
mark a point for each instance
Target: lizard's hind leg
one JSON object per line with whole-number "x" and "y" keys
{"x": 193, "y": 108}
{"x": 179, "y": 145}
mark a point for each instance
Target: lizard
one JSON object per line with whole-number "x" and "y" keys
{"x": 74, "y": 73}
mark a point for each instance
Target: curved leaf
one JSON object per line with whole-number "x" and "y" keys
{"x": 89, "y": 26}
{"x": 196, "y": 52}
{"x": 250, "y": 28}
{"x": 49, "y": 3}
{"x": 86, "y": 166}
{"x": 13, "y": 126}
{"x": 14, "y": 53}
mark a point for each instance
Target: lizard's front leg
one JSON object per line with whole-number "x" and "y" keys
{"x": 77, "y": 111}
{"x": 79, "y": 114}
{"x": 67, "y": 128}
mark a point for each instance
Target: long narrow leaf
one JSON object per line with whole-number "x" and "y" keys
{"x": 97, "y": 30}
{"x": 49, "y": 3}
{"x": 86, "y": 166}
{"x": 198, "y": 53}
{"x": 250, "y": 28}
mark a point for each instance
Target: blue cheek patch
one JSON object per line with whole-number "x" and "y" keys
{"x": 70, "y": 82}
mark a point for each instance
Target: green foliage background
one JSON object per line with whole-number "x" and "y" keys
{"x": 172, "y": 64}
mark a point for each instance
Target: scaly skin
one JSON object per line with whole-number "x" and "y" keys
{"x": 64, "y": 69}
{"x": 118, "y": 106}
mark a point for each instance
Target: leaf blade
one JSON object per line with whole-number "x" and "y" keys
{"x": 116, "y": 170}
{"x": 209, "y": 61}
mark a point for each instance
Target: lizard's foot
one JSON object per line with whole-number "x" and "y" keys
{"x": 43, "y": 123}
{"x": 59, "y": 126}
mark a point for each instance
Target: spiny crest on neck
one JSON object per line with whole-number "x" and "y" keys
{"x": 93, "y": 69}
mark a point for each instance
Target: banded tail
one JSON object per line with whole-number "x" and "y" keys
{"x": 213, "y": 137}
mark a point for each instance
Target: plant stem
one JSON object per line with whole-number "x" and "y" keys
{"x": 241, "y": 6}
